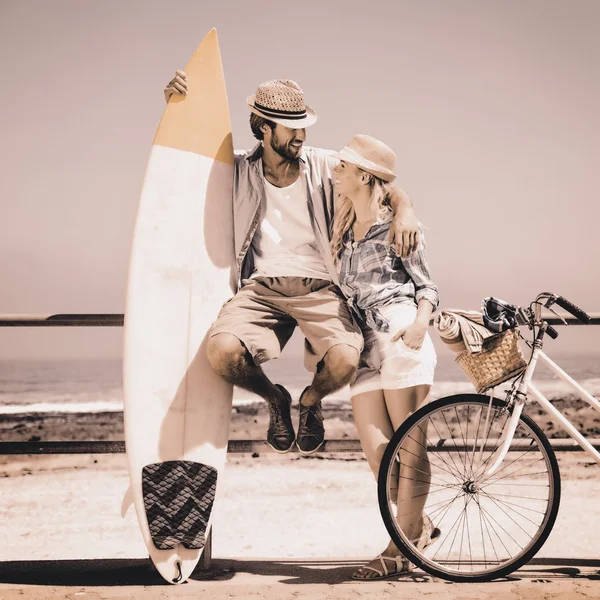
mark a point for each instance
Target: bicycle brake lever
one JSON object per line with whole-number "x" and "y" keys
{"x": 553, "y": 311}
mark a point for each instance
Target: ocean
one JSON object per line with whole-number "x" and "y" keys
{"x": 93, "y": 386}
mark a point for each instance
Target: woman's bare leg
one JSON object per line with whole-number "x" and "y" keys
{"x": 374, "y": 426}
{"x": 377, "y": 415}
{"x": 415, "y": 474}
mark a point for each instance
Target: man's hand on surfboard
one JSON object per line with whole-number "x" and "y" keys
{"x": 177, "y": 85}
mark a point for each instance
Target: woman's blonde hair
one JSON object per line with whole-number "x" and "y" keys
{"x": 345, "y": 213}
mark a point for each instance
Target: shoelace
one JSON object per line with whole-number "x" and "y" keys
{"x": 312, "y": 419}
{"x": 280, "y": 427}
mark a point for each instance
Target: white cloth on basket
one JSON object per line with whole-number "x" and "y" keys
{"x": 462, "y": 329}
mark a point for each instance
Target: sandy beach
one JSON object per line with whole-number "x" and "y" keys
{"x": 67, "y": 539}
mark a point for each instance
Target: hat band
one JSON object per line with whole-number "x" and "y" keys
{"x": 361, "y": 161}
{"x": 279, "y": 114}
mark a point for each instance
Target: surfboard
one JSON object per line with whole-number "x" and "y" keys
{"x": 177, "y": 409}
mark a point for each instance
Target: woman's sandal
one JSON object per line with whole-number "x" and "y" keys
{"x": 429, "y": 534}
{"x": 402, "y": 566}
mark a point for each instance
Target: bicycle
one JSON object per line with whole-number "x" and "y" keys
{"x": 482, "y": 471}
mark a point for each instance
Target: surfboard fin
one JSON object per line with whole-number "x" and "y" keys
{"x": 127, "y": 501}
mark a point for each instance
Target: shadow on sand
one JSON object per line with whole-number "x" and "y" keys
{"x": 140, "y": 572}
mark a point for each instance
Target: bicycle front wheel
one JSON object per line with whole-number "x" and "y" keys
{"x": 435, "y": 471}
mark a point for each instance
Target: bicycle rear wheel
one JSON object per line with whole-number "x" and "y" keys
{"x": 436, "y": 466}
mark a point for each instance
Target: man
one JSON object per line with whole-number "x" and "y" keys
{"x": 283, "y": 211}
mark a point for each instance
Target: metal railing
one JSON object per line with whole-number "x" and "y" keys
{"x": 240, "y": 447}
{"x": 116, "y": 320}
{"x": 234, "y": 446}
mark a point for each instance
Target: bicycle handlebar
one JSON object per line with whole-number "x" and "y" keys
{"x": 574, "y": 310}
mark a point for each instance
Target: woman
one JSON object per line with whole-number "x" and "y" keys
{"x": 393, "y": 300}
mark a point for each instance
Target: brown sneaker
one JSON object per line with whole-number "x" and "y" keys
{"x": 311, "y": 433}
{"x": 280, "y": 435}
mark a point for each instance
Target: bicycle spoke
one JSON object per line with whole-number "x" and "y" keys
{"x": 462, "y": 533}
{"x": 487, "y": 434}
{"x": 521, "y": 497}
{"x": 525, "y": 484}
{"x": 490, "y": 529}
{"x": 498, "y": 442}
{"x": 425, "y": 447}
{"x": 487, "y": 528}
{"x": 421, "y": 480}
{"x": 466, "y": 438}
{"x": 436, "y": 513}
{"x": 456, "y": 469}
{"x": 426, "y": 494}
{"x": 425, "y": 484}
{"x": 508, "y": 505}
{"x": 476, "y": 439}
{"x": 503, "y": 529}
{"x": 402, "y": 449}
{"x": 539, "y": 512}
{"x": 461, "y": 515}
{"x": 515, "y": 457}
{"x": 485, "y": 464}
{"x": 482, "y": 538}
{"x": 497, "y": 503}
{"x": 417, "y": 456}
{"x": 430, "y": 506}
{"x": 449, "y": 505}
{"x": 470, "y": 547}
{"x": 455, "y": 445}
{"x": 513, "y": 473}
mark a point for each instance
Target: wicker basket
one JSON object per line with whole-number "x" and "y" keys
{"x": 499, "y": 360}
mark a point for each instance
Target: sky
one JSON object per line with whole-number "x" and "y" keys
{"x": 490, "y": 106}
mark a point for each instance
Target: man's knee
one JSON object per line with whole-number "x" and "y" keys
{"x": 226, "y": 353}
{"x": 341, "y": 361}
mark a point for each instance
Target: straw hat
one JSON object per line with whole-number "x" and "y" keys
{"x": 282, "y": 101}
{"x": 370, "y": 155}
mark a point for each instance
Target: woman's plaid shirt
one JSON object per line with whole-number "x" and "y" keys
{"x": 371, "y": 275}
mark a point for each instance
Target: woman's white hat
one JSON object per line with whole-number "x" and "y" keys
{"x": 370, "y": 155}
{"x": 282, "y": 101}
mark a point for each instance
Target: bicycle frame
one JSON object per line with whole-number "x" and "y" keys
{"x": 525, "y": 388}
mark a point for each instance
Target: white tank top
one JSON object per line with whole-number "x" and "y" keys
{"x": 287, "y": 244}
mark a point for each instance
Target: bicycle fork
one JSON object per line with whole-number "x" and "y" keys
{"x": 520, "y": 398}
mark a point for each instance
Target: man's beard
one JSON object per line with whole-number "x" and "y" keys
{"x": 283, "y": 149}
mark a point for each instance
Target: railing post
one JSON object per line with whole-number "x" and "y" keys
{"x": 205, "y": 561}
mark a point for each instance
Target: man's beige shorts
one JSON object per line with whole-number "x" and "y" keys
{"x": 265, "y": 311}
